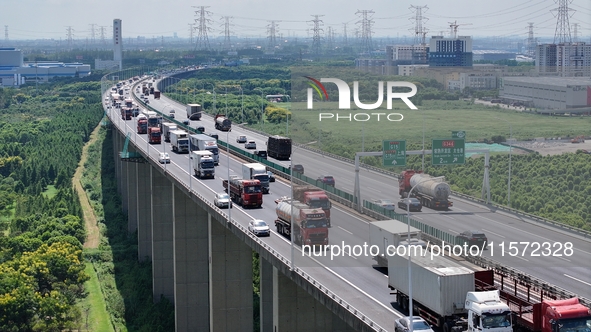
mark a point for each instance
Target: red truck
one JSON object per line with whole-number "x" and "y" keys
{"x": 142, "y": 126}
{"x": 154, "y": 135}
{"x": 156, "y": 94}
{"x": 126, "y": 113}
{"x": 314, "y": 198}
{"x": 245, "y": 192}
{"x": 433, "y": 194}
{"x": 310, "y": 225}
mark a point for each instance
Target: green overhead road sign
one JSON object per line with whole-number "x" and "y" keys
{"x": 458, "y": 134}
{"x": 394, "y": 153}
{"x": 449, "y": 151}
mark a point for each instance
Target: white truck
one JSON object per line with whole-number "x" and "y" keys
{"x": 203, "y": 165}
{"x": 448, "y": 295}
{"x": 167, "y": 127}
{"x": 194, "y": 112}
{"x": 202, "y": 142}
{"x": 256, "y": 171}
{"x": 388, "y": 234}
{"x": 179, "y": 139}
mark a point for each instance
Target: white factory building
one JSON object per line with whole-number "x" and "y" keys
{"x": 14, "y": 71}
{"x": 569, "y": 94}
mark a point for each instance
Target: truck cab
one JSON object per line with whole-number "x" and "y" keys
{"x": 486, "y": 312}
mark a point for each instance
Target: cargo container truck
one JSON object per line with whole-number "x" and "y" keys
{"x": 222, "y": 122}
{"x": 203, "y": 165}
{"x": 387, "y": 234}
{"x": 202, "y": 142}
{"x": 256, "y": 171}
{"x": 244, "y": 192}
{"x": 167, "y": 127}
{"x": 126, "y": 113}
{"x": 194, "y": 112}
{"x": 314, "y": 198}
{"x": 279, "y": 147}
{"x": 142, "y": 125}
{"x": 154, "y": 135}
{"x": 156, "y": 94}
{"x": 433, "y": 194}
{"x": 468, "y": 298}
{"x": 310, "y": 225}
{"x": 179, "y": 140}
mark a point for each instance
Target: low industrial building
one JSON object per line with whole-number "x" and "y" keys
{"x": 14, "y": 71}
{"x": 568, "y": 95}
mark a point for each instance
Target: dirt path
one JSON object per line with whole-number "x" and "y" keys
{"x": 91, "y": 225}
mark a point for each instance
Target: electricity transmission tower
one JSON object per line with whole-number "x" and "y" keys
{"x": 562, "y": 33}
{"x": 272, "y": 29}
{"x": 330, "y": 40}
{"x": 92, "y": 33}
{"x": 345, "y": 41}
{"x": 202, "y": 22}
{"x": 191, "y": 29}
{"x": 226, "y": 32}
{"x": 102, "y": 29}
{"x": 366, "y": 23}
{"x": 70, "y": 36}
{"x": 6, "y": 33}
{"x": 531, "y": 42}
{"x": 419, "y": 30}
{"x": 576, "y": 33}
{"x": 316, "y": 29}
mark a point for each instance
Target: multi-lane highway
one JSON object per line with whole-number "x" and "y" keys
{"x": 354, "y": 277}
{"x": 555, "y": 265}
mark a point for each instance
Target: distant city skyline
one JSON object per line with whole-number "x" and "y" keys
{"x": 51, "y": 19}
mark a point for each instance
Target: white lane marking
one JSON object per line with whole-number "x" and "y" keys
{"x": 579, "y": 280}
{"x": 499, "y": 235}
{"x": 451, "y": 230}
{"x": 568, "y": 260}
{"x": 448, "y": 217}
{"x": 345, "y": 230}
{"x": 415, "y": 216}
{"x": 347, "y": 281}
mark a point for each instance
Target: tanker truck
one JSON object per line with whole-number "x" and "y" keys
{"x": 457, "y": 298}
{"x": 222, "y": 122}
{"x": 432, "y": 193}
{"x": 313, "y": 197}
{"x": 310, "y": 226}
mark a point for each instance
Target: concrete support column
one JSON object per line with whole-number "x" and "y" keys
{"x": 191, "y": 264}
{"x": 266, "y": 299}
{"x": 133, "y": 197}
{"x": 230, "y": 281}
{"x": 125, "y": 186}
{"x": 294, "y": 309}
{"x": 116, "y": 149}
{"x": 162, "y": 237}
{"x": 144, "y": 212}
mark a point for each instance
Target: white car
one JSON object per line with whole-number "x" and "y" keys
{"x": 250, "y": 145}
{"x": 418, "y": 324}
{"x": 241, "y": 139}
{"x": 259, "y": 227}
{"x": 171, "y": 115}
{"x": 164, "y": 158}
{"x": 222, "y": 200}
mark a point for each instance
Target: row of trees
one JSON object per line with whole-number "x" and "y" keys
{"x": 42, "y": 131}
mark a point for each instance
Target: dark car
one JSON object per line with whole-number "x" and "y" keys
{"x": 415, "y": 204}
{"x": 297, "y": 168}
{"x": 271, "y": 176}
{"x": 477, "y": 238}
{"x": 261, "y": 154}
{"x": 214, "y": 136}
{"x": 186, "y": 122}
{"x": 201, "y": 129}
{"x": 327, "y": 180}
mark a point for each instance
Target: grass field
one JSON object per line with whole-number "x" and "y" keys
{"x": 440, "y": 118}
{"x": 94, "y": 304}
{"x": 50, "y": 192}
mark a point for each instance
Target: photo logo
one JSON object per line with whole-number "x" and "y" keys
{"x": 345, "y": 93}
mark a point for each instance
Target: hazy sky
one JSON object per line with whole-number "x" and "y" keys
{"x": 49, "y": 19}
